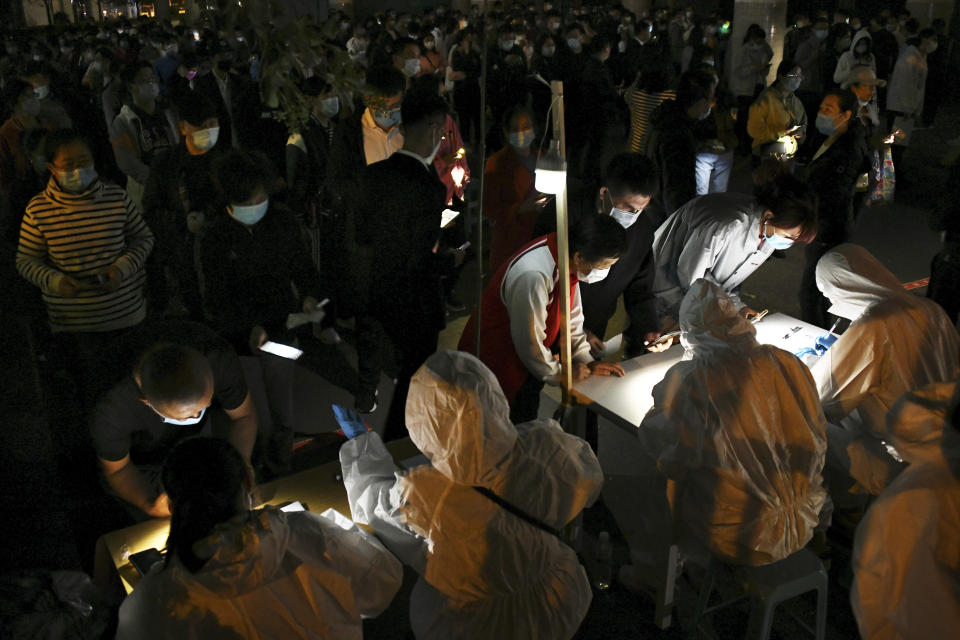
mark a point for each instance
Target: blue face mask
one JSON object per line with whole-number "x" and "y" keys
{"x": 778, "y": 242}
{"x": 249, "y": 215}
{"x": 77, "y": 180}
{"x": 825, "y": 125}
{"x": 387, "y": 119}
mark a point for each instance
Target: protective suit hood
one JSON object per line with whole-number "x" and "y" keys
{"x": 709, "y": 322}
{"x": 459, "y": 418}
{"x": 853, "y": 280}
{"x": 857, "y": 37}
{"x": 918, "y": 426}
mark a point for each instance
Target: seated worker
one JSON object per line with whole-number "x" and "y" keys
{"x": 479, "y": 522}
{"x": 178, "y": 370}
{"x": 725, "y": 237}
{"x": 898, "y": 342}
{"x": 738, "y": 426}
{"x": 232, "y": 571}
{"x": 905, "y": 565}
{"x": 778, "y": 113}
{"x": 629, "y": 182}
{"x": 521, "y": 313}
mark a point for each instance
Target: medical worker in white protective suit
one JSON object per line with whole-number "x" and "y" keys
{"x": 738, "y": 426}
{"x": 486, "y": 572}
{"x": 232, "y": 572}
{"x": 897, "y": 342}
{"x": 906, "y": 556}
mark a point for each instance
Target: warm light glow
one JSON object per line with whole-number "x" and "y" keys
{"x": 457, "y": 174}
{"x": 551, "y": 181}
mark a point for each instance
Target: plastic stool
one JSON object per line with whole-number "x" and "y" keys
{"x": 769, "y": 585}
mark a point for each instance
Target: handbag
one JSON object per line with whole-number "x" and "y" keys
{"x": 886, "y": 176}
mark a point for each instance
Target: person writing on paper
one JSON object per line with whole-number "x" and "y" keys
{"x": 905, "y": 566}
{"x": 479, "y": 523}
{"x": 175, "y": 376}
{"x": 522, "y": 314}
{"x": 629, "y": 183}
{"x": 233, "y": 571}
{"x": 738, "y": 426}
{"x": 725, "y": 237}
{"x": 897, "y": 342}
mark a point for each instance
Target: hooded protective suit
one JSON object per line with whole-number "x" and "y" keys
{"x": 898, "y": 342}
{"x": 485, "y": 573}
{"x": 850, "y": 59}
{"x": 269, "y": 575}
{"x": 905, "y": 557}
{"x": 740, "y": 429}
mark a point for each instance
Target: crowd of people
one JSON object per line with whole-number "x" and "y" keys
{"x": 163, "y": 229}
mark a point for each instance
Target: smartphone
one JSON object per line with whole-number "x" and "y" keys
{"x": 464, "y": 246}
{"x": 282, "y": 350}
{"x": 293, "y": 507}
{"x": 447, "y": 217}
{"x": 142, "y": 561}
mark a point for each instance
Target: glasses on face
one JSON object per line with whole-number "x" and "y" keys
{"x": 796, "y": 76}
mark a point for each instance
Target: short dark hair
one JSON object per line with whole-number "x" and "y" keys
{"x": 786, "y": 66}
{"x": 194, "y": 108}
{"x": 314, "y": 86}
{"x": 128, "y": 74}
{"x": 515, "y": 112}
{"x": 385, "y": 81}
{"x": 597, "y": 237}
{"x": 173, "y": 373}
{"x": 419, "y": 105}
{"x": 694, "y": 86}
{"x": 12, "y": 91}
{"x": 792, "y": 203}
{"x": 928, "y": 33}
{"x": 238, "y": 174}
{"x": 629, "y": 174}
{"x": 754, "y": 31}
{"x": 846, "y": 99}
{"x": 61, "y": 138}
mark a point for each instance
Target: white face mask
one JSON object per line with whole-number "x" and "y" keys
{"x": 436, "y": 148}
{"x": 625, "y": 218}
{"x": 622, "y": 46}
{"x": 595, "y": 275}
{"x": 411, "y": 67}
{"x": 42, "y": 91}
{"x": 186, "y": 422}
{"x": 204, "y": 139}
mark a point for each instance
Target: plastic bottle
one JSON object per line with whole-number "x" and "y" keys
{"x": 604, "y": 567}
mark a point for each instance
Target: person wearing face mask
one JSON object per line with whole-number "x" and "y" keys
{"x": 142, "y": 128}
{"x": 839, "y": 41}
{"x": 506, "y": 79}
{"x": 545, "y": 64}
{"x": 431, "y": 62}
{"x": 464, "y": 72}
{"x": 178, "y": 192}
{"x": 406, "y": 57}
{"x": 749, "y": 77}
{"x": 905, "y": 92}
{"x": 167, "y": 381}
{"x": 51, "y": 113}
{"x": 860, "y": 54}
{"x": 716, "y": 142}
{"x": 841, "y": 158}
{"x": 672, "y": 143}
{"x": 357, "y": 45}
{"x": 885, "y": 46}
{"x": 809, "y": 54}
{"x": 778, "y": 113}
{"x": 521, "y": 313}
{"x": 14, "y": 162}
{"x": 404, "y": 305}
{"x": 630, "y": 181}
{"x": 725, "y": 237}
{"x": 166, "y": 66}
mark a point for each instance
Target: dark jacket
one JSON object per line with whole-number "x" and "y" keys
{"x": 307, "y": 172}
{"x": 246, "y": 273}
{"x": 631, "y": 276}
{"x": 833, "y": 177}
{"x": 673, "y": 146}
{"x": 343, "y": 176}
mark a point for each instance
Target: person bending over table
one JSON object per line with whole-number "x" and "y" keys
{"x": 725, "y": 237}
{"x": 181, "y": 370}
{"x": 235, "y": 572}
{"x": 521, "y": 313}
{"x": 738, "y": 426}
{"x": 480, "y": 522}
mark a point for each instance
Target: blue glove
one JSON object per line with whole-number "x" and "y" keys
{"x": 806, "y": 351}
{"x": 350, "y": 421}
{"x": 824, "y": 342}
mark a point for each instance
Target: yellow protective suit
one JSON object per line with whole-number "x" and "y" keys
{"x": 906, "y": 559}
{"x": 898, "y": 342}
{"x": 269, "y": 575}
{"x": 486, "y": 573}
{"x": 739, "y": 427}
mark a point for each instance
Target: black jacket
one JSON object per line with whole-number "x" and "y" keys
{"x": 833, "y": 177}
{"x": 673, "y": 146}
{"x": 631, "y": 276}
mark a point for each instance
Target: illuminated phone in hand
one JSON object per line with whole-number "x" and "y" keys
{"x": 282, "y": 350}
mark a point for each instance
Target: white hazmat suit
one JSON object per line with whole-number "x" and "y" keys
{"x": 485, "y": 573}
{"x": 897, "y": 342}
{"x": 906, "y": 559}
{"x": 269, "y": 575}
{"x": 739, "y": 428}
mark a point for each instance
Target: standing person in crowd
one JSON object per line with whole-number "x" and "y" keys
{"x": 938, "y": 81}
{"x": 431, "y": 60}
{"x": 21, "y": 108}
{"x": 724, "y": 237}
{"x": 406, "y": 57}
{"x": 648, "y": 92}
{"x": 232, "y": 570}
{"x": 778, "y": 113}
{"x": 716, "y": 141}
{"x": 629, "y": 183}
{"x": 832, "y": 173}
{"x": 860, "y": 54}
{"x": 839, "y": 41}
{"x": 480, "y": 523}
{"x": 465, "y": 73}
{"x": 84, "y": 243}
{"x": 797, "y": 35}
{"x": 521, "y": 313}
{"x": 506, "y": 78}
{"x": 142, "y": 129}
{"x": 178, "y": 192}
{"x": 593, "y": 110}
{"x": 544, "y": 63}
{"x": 749, "y": 77}
{"x": 808, "y": 56}
{"x": 672, "y": 144}
{"x": 906, "y": 90}
{"x": 51, "y": 113}
{"x": 885, "y": 46}
{"x": 864, "y": 83}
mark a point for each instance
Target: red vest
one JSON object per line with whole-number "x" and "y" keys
{"x": 496, "y": 344}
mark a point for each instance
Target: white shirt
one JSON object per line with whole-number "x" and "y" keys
{"x": 378, "y": 144}
{"x": 422, "y": 160}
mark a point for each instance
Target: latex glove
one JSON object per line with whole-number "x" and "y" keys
{"x": 312, "y": 312}
{"x": 350, "y": 421}
{"x": 824, "y": 342}
{"x": 806, "y": 351}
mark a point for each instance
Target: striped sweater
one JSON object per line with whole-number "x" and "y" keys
{"x": 78, "y": 234}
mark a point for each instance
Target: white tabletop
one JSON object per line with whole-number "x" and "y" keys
{"x": 627, "y": 400}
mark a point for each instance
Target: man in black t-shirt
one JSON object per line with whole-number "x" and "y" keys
{"x": 181, "y": 373}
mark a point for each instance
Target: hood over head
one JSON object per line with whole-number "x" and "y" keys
{"x": 853, "y": 280}
{"x": 709, "y": 321}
